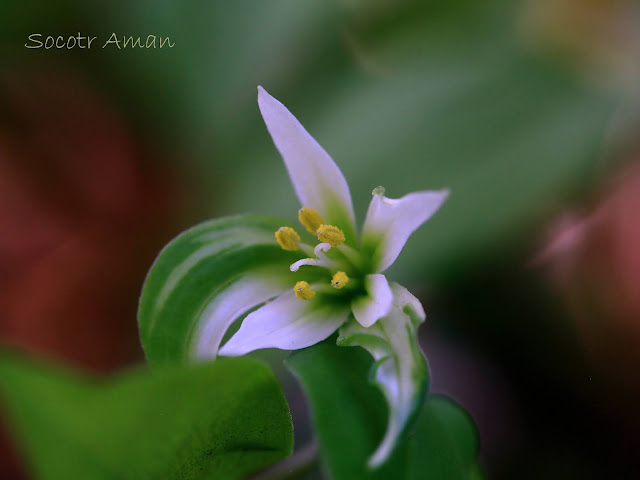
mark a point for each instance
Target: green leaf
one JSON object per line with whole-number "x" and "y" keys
{"x": 206, "y": 278}
{"x": 400, "y": 369}
{"x": 444, "y": 443}
{"x": 349, "y": 415}
{"x": 222, "y": 420}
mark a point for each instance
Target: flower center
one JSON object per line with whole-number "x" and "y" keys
{"x": 337, "y": 261}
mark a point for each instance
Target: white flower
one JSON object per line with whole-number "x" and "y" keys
{"x": 345, "y": 288}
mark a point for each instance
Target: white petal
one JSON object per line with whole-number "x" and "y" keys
{"x": 317, "y": 180}
{"x": 230, "y": 304}
{"x": 212, "y": 242}
{"x": 367, "y": 310}
{"x": 390, "y": 222}
{"x": 287, "y": 323}
{"x": 400, "y": 369}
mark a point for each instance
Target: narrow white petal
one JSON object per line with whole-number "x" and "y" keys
{"x": 230, "y": 304}
{"x": 287, "y": 323}
{"x": 212, "y": 242}
{"x": 317, "y": 180}
{"x": 367, "y": 310}
{"x": 400, "y": 369}
{"x": 390, "y": 222}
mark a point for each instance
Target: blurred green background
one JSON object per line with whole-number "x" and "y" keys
{"x": 526, "y": 111}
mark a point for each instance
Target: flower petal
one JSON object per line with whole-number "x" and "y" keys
{"x": 390, "y": 222}
{"x": 367, "y": 310}
{"x": 194, "y": 268}
{"x": 317, "y": 180}
{"x": 400, "y": 370}
{"x": 231, "y": 303}
{"x": 287, "y": 323}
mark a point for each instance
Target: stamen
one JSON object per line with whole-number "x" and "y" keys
{"x": 310, "y": 219}
{"x": 330, "y": 234}
{"x": 339, "y": 280}
{"x": 288, "y": 238}
{"x": 303, "y": 291}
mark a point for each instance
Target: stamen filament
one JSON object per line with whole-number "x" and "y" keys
{"x": 351, "y": 255}
{"x": 306, "y": 248}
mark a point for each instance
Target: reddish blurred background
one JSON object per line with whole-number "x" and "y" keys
{"x": 85, "y": 204}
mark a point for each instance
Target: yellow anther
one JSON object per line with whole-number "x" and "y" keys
{"x": 303, "y": 291}
{"x": 310, "y": 219}
{"x": 330, "y": 234}
{"x": 288, "y": 238}
{"x": 339, "y": 280}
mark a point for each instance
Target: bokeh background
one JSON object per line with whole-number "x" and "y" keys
{"x": 527, "y": 110}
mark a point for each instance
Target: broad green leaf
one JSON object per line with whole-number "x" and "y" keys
{"x": 206, "y": 278}
{"x": 444, "y": 443}
{"x": 219, "y": 420}
{"x": 349, "y": 416}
